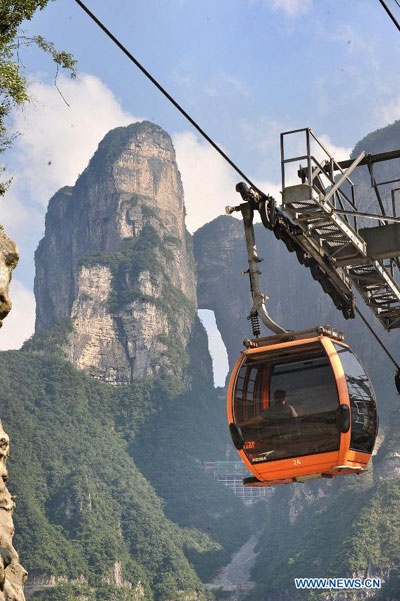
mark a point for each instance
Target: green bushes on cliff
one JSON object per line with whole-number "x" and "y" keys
{"x": 150, "y": 253}
{"x": 83, "y": 505}
{"x": 350, "y": 528}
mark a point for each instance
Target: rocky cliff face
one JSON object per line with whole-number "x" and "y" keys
{"x": 12, "y": 574}
{"x": 8, "y": 260}
{"x": 117, "y": 260}
{"x": 220, "y": 254}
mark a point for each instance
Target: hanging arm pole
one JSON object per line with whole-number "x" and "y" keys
{"x": 259, "y": 308}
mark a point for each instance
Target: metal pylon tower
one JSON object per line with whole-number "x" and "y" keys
{"x": 323, "y": 218}
{"x": 327, "y": 222}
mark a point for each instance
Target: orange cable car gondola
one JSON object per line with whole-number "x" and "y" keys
{"x": 301, "y": 407}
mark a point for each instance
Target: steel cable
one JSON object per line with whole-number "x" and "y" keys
{"x": 389, "y": 354}
{"x": 390, "y": 14}
{"x": 166, "y": 94}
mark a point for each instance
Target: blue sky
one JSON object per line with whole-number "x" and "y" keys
{"x": 245, "y": 69}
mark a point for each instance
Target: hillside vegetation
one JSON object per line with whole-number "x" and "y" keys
{"x": 87, "y": 514}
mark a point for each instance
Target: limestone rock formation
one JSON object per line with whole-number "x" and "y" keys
{"x": 8, "y": 260}
{"x": 12, "y": 574}
{"x": 220, "y": 254}
{"x": 117, "y": 260}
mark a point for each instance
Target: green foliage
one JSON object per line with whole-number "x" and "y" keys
{"x": 191, "y": 429}
{"x": 60, "y": 57}
{"x": 13, "y": 84}
{"x": 81, "y": 592}
{"x": 391, "y": 587}
{"x": 355, "y": 529}
{"x": 51, "y": 340}
{"x": 82, "y": 502}
{"x": 13, "y": 12}
{"x": 82, "y": 458}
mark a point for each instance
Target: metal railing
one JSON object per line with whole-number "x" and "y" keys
{"x": 325, "y": 209}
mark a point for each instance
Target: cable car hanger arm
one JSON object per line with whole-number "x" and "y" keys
{"x": 259, "y": 308}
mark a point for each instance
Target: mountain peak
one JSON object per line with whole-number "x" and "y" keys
{"x": 117, "y": 260}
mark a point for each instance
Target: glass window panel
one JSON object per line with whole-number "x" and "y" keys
{"x": 299, "y": 417}
{"x": 362, "y": 402}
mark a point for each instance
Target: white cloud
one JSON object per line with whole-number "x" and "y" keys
{"x": 22, "y": 222}
{"x": 291, "y": 8}
{"x": 57, "y": 140}
{"x": 269, "y": 188}
{"x": 388, "y": 112}
{"x": 209, "y": 183}
{"x": 339, "y": 153}
{"x": 19, "y": 324}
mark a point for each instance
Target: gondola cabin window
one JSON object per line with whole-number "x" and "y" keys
{"x": 362, "y": 402}
{"x": 287, "y": 406}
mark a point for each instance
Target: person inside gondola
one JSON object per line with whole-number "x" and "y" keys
{"x": 281, "y": 407}
{"x": 268, "y": 423}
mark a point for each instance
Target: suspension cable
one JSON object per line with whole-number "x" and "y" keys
{"x": 390, "y": 14}
{"x": 389, "y": 354}
{"x": 166, "y": 94}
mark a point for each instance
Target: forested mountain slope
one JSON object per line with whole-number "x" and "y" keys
{"x": 97, "y": 527}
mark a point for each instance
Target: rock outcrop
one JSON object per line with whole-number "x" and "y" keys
{"x": 8, "y": 260}
{"x": 12, "y": 574}
{"x": 117, "y": 260}
{"x": 220, "y": 254}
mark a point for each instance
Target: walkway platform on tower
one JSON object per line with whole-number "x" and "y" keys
{"x": 329, "y": 224}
